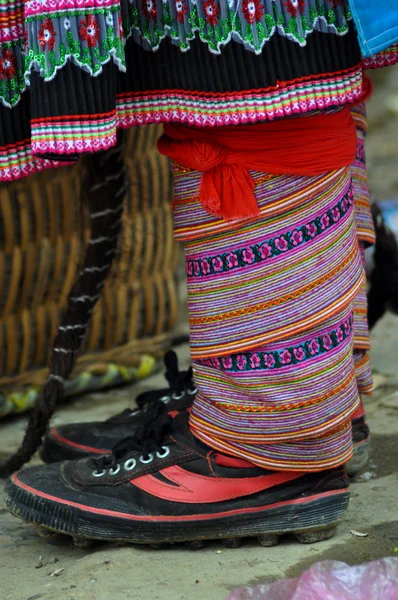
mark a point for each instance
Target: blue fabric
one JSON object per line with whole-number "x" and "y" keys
{"x": 377, "y": 24}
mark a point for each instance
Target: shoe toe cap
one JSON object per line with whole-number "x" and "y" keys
{"x": 44, "y": 478}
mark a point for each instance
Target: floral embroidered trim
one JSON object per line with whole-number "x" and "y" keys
{"x": 93, "y": 35}
{"x": 252, "y": 22}
{"x": 293, "y": 355}
{"x": 240, "y": 312}
{"x": 54, "y": 33}
{"x": 89, "y": 38}
{"x": 258, "y": 253}
{"x": 12, "y": 71}
{"x": 382, "y": 59}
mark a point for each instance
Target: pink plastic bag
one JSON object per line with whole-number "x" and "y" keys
{"x": 331, "y": 580}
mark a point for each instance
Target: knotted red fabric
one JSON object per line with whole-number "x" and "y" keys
{"x": 225, "y": 155}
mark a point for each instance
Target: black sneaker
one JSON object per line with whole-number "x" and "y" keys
{"x": 161, "y": 487}
{"x": 77, "y": 440}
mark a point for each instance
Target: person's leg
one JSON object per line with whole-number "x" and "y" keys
{"x": 270, "y": 315}
{"x": 366, "y": 238}
{"x": 270, "y": 309}
{"x": 76, "y": 440}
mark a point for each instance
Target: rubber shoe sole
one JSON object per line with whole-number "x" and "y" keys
{"x": 310, "y": 519}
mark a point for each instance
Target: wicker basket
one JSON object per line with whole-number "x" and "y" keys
{"x": 42, "y": 232}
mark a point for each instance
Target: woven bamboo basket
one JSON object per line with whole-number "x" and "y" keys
{"x": 42, "y": 232}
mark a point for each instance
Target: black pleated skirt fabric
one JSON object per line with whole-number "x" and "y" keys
{"x": 74, "y": 113}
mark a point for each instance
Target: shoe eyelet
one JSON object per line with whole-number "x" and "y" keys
{"x": 177, "y": 396}
{"x": 165, "y": 399}
{"x": 130, "y": 464}
{"x": 166, "y": 452}
{"x": 98, "y": 473}
{"x": 114, "y": 471}
{"x": 146, "y": 461}
{"x": 193, "y": 391}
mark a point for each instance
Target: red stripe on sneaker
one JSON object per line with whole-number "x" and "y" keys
{"x": 174, "y": 413}
{"x": 193, "y": 488}
{"x": 234, "y": 463}
{"x": 171, "y": 519}
{"x": 55, "y": 435}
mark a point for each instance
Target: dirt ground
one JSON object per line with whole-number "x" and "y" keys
{"x": 105, "y": 572}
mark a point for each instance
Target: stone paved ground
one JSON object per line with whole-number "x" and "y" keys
{"x": 108, "y": 573}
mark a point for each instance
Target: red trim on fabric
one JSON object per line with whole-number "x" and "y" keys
{"x": 15, "y": 144}
{"x": 161, "y": 518}
{"x": 360, "y": 411}
{"x": 277, "y": 86}
{"x": 367, "y": 86}
{"x": 68, "y": 117}
{"x": 193, "y": 488}
{"x": 54, "y": 434}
